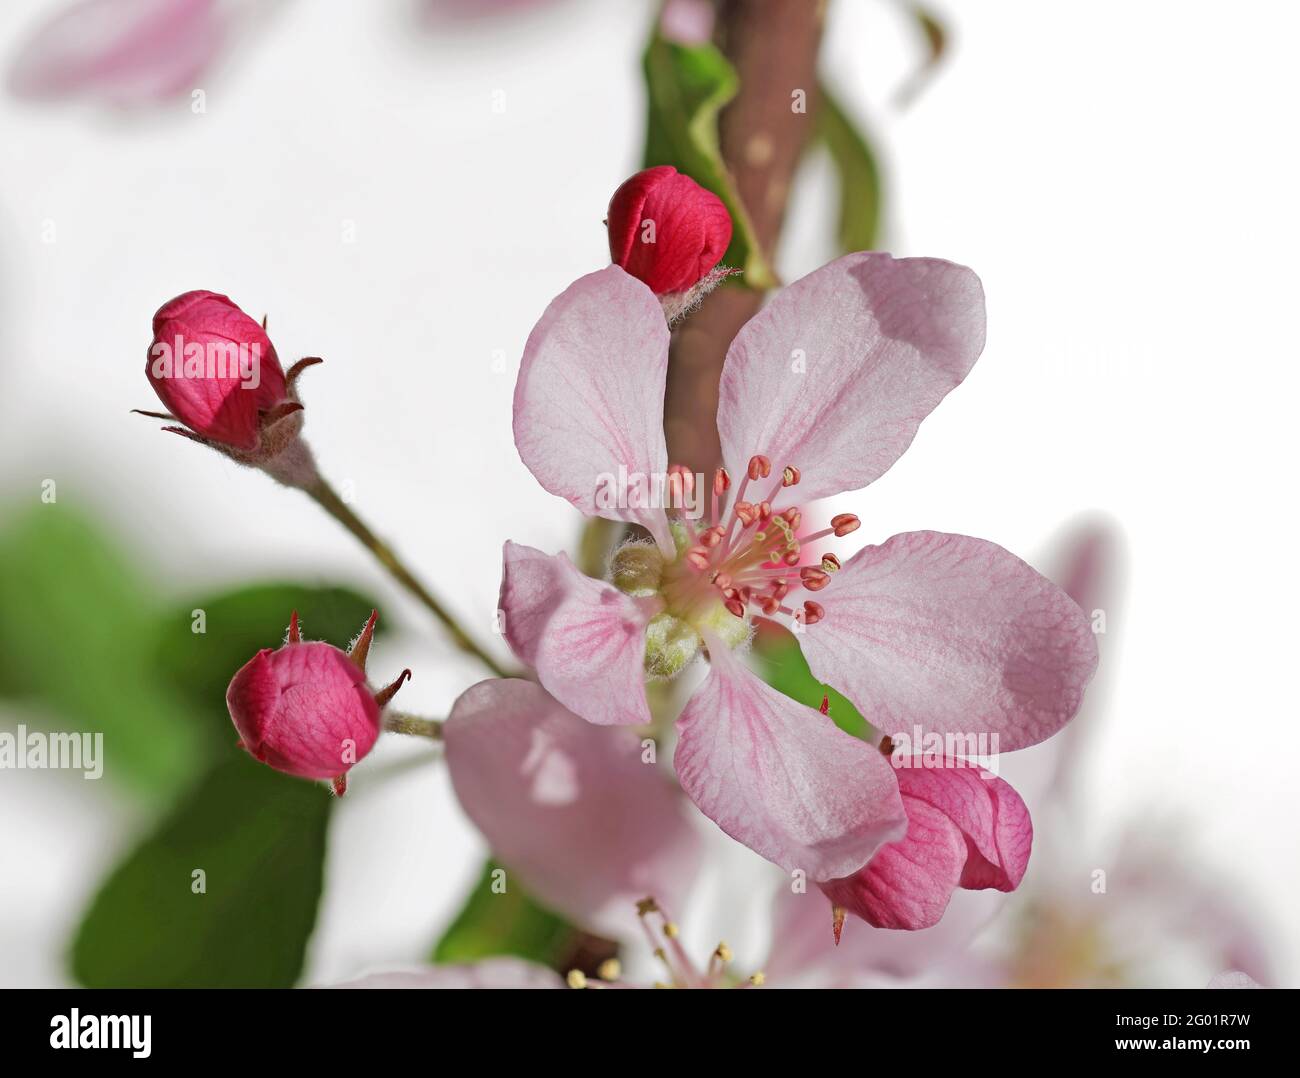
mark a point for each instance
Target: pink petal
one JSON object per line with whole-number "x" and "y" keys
{"x": 966, "y": 828}
{"x": 487, "y": 973}
{"x": 782, "y": 778}
{"x": 585, "y": 638}
{"x": 908, "y": 883}
{"x": 590, "y": 395}
{"x": 572, "y": 808}
{"x": 883, "y": 340}
{"x": 127, "y": 51}
{"x": 955, "y": 636}
{"x": 1233, "y": 979}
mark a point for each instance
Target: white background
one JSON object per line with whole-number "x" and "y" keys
{"x": 1122, "y": 175}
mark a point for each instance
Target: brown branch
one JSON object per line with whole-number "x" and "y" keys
{"x": 773, "y": 45}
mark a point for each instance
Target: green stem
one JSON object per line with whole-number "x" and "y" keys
{"x": 324, "y": 496}
{"x": 400, "y": 722}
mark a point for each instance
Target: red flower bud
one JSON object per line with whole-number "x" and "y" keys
{"x": 217, "y": 372}
{"x": 667, "y": 230}
{"x": 306, "y": 709}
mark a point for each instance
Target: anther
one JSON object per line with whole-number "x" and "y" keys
{"x": 577, "y": 979}
{"x": 610, "y": 970}
{"x": 793, "y": 517}
{"x": 746, "y": 512}
{"x": 813, "y": 579}
{"x": 790, "y": 476}
{"x": 721, "y": 482}
{"x": 735, "y": 606}
{"x": 295, "y": 637}
{"x": 758, "y": 979}
{"x": 698, "y": 556}
{"x": 811, "y": 614}
{"x": 845, "y": 523}
{"x": 886, "y": 746}
{"x": 759, "y": 467}
{"x": 830, "y": 563}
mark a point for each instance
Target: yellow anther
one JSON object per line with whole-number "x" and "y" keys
{"x": 759, "y": 979}
{"x": 610, "y": 970}
{"x": 724, "y": 953}
{"x": 670, "y": 930}
{"x": 577, "y": 979}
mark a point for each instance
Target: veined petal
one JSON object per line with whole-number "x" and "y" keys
{"x": 781, "y": 777}
{"x": 585, "y": 638}
{"x": 966, "y": 828}
{"x": 589, "y": 403}
{"x": 955, "y": 636}
{"x": 836, "y": 373}
{"x": 574, "y": 809}
{"x": 907, "y": 884}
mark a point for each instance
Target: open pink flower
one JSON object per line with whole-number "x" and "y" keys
{"x": 928, "y": 634}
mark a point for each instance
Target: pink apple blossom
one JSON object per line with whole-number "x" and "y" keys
{"x": 821, "y": 392}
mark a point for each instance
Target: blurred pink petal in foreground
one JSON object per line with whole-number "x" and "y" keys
{"x": 575, "y": 810}
{"x": 489, "y": 973}
{"x": 127, "y": 52}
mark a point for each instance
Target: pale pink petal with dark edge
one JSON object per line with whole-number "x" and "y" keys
{"x": 836, "y": 373}
{"x": 590, "y": 394}
{"x": 781, "y": 777}
{"x": 955, "y": 635}
{"x": 966, "y": 828}
{"x": 574, "y": 809}
{"x": 585, "y": 638}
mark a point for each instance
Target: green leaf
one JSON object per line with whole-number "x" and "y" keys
{"x": 259, "y": 839}
{"x": 781, "y": 664}
{"x": 686, "y": 86}
{"x": 239, "y": 623}
{"x": 859, "y": 176}
{"x": 78, "y": 635}
{"x": 509, "y": 923}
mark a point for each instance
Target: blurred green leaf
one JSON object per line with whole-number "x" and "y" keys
{"x": 241, "y": 622}
{"x": 859, "y": 177}
{"x": 781, "y": 664}
{"x": 686, "y": 86}
{"x": 259, "y": 838}
{"x": 78, "y": 632}
{"x": 510, "y": 923}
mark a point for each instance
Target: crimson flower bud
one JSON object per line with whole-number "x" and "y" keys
{"x": 306, "y": 709}
{"x": 216, "y": 371}
{"x": 667, "y": 230}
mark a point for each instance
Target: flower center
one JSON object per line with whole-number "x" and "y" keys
{"x": 744, "y": 559}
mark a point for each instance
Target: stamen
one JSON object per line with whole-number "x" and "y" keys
{"x": 830, "y": 563}
{"x": 844, "y": 524}
{"x": 790, "y": 476}
{"x": 813, "y": 579}
{"x": 811, "y": 614}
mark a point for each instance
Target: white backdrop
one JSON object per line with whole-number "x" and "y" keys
{"x": 1122, "y": 175}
